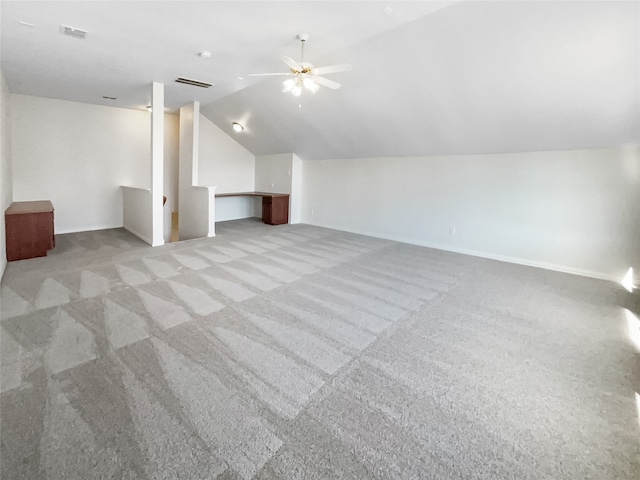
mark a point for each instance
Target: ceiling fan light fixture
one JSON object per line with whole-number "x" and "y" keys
{"x": 296, "y": 90}
{"x": 237, "y": 127}
{"x": 288, "y": 85}
{"x": 310, "y": 85}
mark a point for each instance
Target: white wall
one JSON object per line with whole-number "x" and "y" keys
{"x": 273, "y": 173}
{"x": 77, "y": 155}
{"x": 577, "y": 211}
{"x": 223, "y": 161}
{"x": 281, "y": 173}
{"x": 229, "y": 166}
{"x": 137, "y": 215}
{"x": 233, "y": 208}
{"x": 6, "y": 184}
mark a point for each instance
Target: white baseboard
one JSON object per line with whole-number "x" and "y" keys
{"x": 475, "y": 253}
{"x": 88, "y": 228}
{"x": 142, "y": 237}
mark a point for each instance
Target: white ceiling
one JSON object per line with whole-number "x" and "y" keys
{"x": 461, "y": 77}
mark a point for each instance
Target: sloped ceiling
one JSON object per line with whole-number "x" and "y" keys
{"x": 462, "y": 77}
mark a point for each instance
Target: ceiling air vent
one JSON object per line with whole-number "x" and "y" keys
{"x": 73, "y": 32}
{"x": 195, "y": 83}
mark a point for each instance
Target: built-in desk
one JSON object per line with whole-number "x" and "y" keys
{"x": 275, "y": 206}
{"x": 29, "y": 229}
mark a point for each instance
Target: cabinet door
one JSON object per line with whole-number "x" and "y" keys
{"x": 29, "y": 235}
{"x": 280, "y": 211}
{"x": 266, "y": 210}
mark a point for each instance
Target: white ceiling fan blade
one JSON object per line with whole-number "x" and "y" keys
{"x": 343, "y": 67}
{"x": 326, "y": 82}
{"x": 268, "y": 74}
{"x": 292, "y": 63}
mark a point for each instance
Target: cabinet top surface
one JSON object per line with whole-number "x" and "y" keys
{"x": 252, "y": 194}
{"x": 39, "y": 206}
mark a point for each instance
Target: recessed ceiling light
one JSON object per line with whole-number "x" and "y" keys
{"x": 237, "y": 127}
{"x": 149, "y": 108}
{"x": 240, "y": 78}
{"x": 388, "y": 10}
{"x": 205, "y": 54}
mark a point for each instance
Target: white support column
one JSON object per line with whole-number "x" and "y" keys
{"x": 189, "y": 144}
{"x": 295, "y": 201}
{"x": 157, "y": 161}
{"x": 197, "y": 203}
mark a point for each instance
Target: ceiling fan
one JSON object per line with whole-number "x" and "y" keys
{"x": 304, "y": 74}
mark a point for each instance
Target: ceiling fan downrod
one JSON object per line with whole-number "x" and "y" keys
{"x": 303, "y": 37}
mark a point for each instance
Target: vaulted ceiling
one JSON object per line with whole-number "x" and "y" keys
{"x": 451, "y": 77}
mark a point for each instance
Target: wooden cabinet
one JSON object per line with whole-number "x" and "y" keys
{"x": 275, "y": 209}
{"x": 29, "y": 229}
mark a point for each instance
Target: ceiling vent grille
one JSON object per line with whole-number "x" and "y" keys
{"x": 194, "y": 83}
{"x": 73, "y": 32}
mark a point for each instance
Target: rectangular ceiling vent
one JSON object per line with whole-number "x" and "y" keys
{"x": 195, "y": 83}
{"x": 73, "y": 32}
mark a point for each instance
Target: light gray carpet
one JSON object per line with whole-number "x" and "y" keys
{"x": 296, "y": 352}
